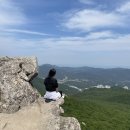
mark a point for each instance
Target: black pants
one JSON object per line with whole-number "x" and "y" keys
{"x": 60, "y": 93}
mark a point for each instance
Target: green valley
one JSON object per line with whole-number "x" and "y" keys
{"x": 100, "y": 109}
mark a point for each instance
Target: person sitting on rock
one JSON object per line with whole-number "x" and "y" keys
{"x": 51, "y": 86}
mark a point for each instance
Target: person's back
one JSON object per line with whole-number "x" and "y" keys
{"x": 51, "y": 86}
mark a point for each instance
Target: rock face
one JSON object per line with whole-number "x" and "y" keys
{"x": 15, "y": 88}
{"x": 21, "y": 106}
{"x": 39, "y": 116}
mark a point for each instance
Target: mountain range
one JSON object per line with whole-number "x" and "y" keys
{"x": 87, "y": 76}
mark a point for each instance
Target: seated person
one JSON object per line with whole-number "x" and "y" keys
{"x": 51, "y": 86}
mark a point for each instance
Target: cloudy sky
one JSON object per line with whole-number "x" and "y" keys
{"x": 67, "y": 32}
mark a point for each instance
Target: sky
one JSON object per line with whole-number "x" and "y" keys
{"x": 93, "y": 33}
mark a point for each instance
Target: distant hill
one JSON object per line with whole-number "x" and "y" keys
{"x": 93, "y": 76}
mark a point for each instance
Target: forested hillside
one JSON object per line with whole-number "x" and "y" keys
{"x": 100, "y": 109}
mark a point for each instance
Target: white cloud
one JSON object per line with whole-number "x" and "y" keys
{"x": 71, "y": 50}
{"x": 10, "y": 14}
{"x": 24, "y": 32}
{"x": 65, "y": 49}
{"x": 101, "y": 35}
{"x": 98, "y": 41}
{"x": 88, "y": 20}
{"x": 125, "y": 8}
{"x": 88, "y": 43}
{"x": 86, "y": 1}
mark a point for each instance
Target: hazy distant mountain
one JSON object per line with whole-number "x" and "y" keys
{"x": 86, "y": 72}
{"x": 93, "y": 76}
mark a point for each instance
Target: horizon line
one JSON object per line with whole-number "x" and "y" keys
{"x": 89, "y": 66}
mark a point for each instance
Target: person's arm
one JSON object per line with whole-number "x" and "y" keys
{"x": 56, "y": 85}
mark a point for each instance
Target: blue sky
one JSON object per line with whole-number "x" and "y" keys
{"x": 67, "y": 32}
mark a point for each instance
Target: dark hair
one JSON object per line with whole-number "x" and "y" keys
{"x": 52, "y": 72}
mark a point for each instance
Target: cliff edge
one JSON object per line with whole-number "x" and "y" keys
{"x": 21, "y": 106}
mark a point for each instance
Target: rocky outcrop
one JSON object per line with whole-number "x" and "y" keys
{"x": 15, "y": 88}
{"x": 28, "y": 110}
{"x": 39, "y": 116}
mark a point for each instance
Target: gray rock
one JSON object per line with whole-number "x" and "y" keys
{"x": 69, "y": 123}
{"x": 57, "y": 122}
{"x": 15, "y": 88}
{"x": 16, "y": 91}
{"x": 38, "y": 116}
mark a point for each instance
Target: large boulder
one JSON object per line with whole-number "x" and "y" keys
{"x": 39, "y": 116}
{"x": 16, "y": 90}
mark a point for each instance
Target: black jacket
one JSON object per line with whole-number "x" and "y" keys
{"x": 50, "y": 84}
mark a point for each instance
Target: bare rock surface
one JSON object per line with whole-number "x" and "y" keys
{"x": 15, "y": 88}
{"x": 21, "y": 106}
{"x": 39, "y": 116}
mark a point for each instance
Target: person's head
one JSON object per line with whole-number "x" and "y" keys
{"x": 52, "y": 73}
